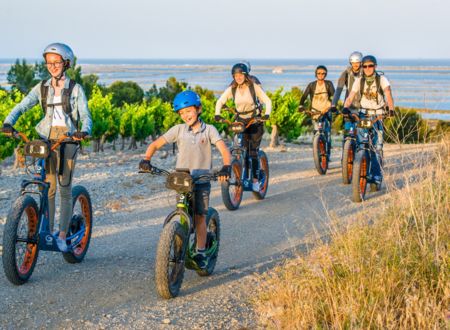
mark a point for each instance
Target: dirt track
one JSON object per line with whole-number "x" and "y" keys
{"x": 114, "y": 286}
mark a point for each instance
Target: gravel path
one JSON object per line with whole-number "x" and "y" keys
{"x": 114, "y": 286}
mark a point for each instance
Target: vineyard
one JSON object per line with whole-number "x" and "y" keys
{"x": 124, "y": 112}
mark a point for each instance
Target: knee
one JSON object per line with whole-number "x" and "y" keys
{"x": 65, "y": 192}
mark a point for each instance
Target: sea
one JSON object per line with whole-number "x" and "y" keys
{"x": 416, "y": 83}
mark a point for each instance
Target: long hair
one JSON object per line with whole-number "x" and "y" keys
{"x": 247, "y": 82}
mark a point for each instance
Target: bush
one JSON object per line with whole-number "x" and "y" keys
{"x": 407, "y": 126}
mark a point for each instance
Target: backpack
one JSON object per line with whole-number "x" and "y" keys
{"x": 65, "y": 99}
{"x": 327, "y": 87}
{"x": 377, "y": 83}
{"x": 253, "y": 93}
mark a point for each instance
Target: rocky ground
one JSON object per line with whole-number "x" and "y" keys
{"x": 114, "y": 286}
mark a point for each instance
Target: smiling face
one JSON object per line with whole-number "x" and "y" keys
{"x": 55, "y": 64}
{"x": 189, "y": 115}
{"x": 356, "y": 66}
{"x": 369, "y": 68}
{"x": 239, "y": 78}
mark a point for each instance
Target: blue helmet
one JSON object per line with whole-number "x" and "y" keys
{"x": 186, "y": 99}
{"x": 369, "y": 58}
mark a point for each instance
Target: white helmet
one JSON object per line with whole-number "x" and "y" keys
{"x": 61, "y": 49}
{"x": 355, "y": 57}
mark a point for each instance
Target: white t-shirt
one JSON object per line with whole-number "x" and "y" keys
{"x": 59, "y": 117}
{"x": 370, "y": 98}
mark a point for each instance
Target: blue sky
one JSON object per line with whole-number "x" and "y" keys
{"x": 227, "y": 29}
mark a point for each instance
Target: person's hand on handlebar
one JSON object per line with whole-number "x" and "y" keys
{"x": 79, "y": 136}
{"x": 224, "y": 173}
{"x": 8, "y": 129}
{"x": 145, "y": 165}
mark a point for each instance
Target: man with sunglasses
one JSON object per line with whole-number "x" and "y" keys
{"x": 65, "y": 111}
{"x": 320, "y": 93}
{"x": 374, "y": 91}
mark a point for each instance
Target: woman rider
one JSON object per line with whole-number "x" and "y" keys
{"x": 65, "y": 107}
{"x": 246, "y": 95}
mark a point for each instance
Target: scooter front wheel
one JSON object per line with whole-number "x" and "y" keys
{"x": 20, "y": 247}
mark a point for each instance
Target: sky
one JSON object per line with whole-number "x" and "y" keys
{"x": 209, "y": 29}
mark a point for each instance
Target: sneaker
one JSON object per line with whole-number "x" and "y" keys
{"x": 62, "y": 245}
{"x": 201, "y": 259}
{"x": 255, "y": 186}
{"x": 377, "y": 179}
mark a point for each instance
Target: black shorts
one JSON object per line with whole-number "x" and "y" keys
{"x": 201, "y": 197}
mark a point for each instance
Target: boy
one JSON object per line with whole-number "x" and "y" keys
{"x": 194, "y": 139}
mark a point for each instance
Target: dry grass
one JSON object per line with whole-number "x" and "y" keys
{"x": 392, "y": 274}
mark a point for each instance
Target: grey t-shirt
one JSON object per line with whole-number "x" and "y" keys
{"x": 194, "y": 149}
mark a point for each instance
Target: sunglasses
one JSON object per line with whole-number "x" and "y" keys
{"x": 369, "y": 66}
{"x": 321, "y": 73}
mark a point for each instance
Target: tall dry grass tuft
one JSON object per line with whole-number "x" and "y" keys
{"x": 391, "y": 274}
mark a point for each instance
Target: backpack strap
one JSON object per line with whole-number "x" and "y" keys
{"x": 65, "y": 99}
{"x": 251, "y": 87}
{"x": 377, "y": 84}
{"x": 44, "y": 94}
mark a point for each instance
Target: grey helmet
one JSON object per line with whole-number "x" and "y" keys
{"x": 355, "y": 57}
{"x": 60, "y": 49}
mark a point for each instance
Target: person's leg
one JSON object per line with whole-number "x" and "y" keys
{"x": 201, "y": 195}
{"x": 50, "y": 170}
{"x": 257, "y": 131}
{"x": 376, "y": 150}
{"x": 65, "y": 188}
{"x": 327, "y": 130}
{"x": 201, "y": 192}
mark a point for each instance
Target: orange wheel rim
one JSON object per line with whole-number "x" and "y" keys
{"x": 350, "y": 163}
{"x": 236, "y": 192}
{"x": 31, "y": 249}
{"x": 363, "y": 178}
{"x": 323, "y": 156}
{"x": 266, "y": 179}
{"x": 85, "y": 209}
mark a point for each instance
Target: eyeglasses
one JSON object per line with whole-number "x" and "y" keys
{"x": 54, "y": 64}
{"x": 369, "y": 66}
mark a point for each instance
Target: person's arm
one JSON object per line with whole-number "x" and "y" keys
{"x": 153, "y": 147}
{"x": 225, "y": 172}
{"x": 264, "y": 99}
{"x": 222, "y": 100}
{"x": 26, "y": 104}
{"x": 387, "y": 92}
{"x": 331, "y": 89}
{"x": 339, "y": 89}
{"x": 389, "y": 98}
{"x": 355, "y": 89}
{"x": 305, "y": 94}
{"x": 83, "y": 111}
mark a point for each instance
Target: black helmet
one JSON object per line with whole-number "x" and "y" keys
{"x": 369, "y": 58}
{"x": 239, "y": 68}
{"x": 321, "y": 67}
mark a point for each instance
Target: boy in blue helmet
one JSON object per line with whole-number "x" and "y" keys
{"x": 194, "y": 139}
